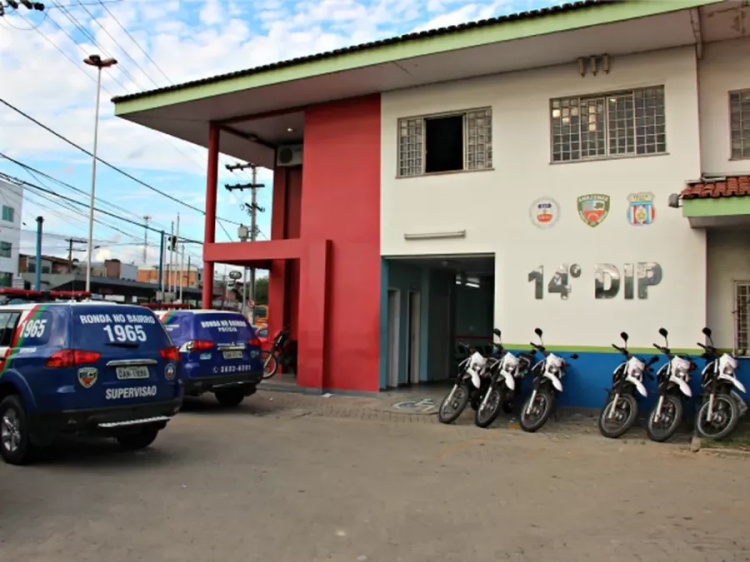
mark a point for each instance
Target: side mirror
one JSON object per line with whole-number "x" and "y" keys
{"x": 624, "y": 336}
{"x": 574, "y": 356}
{"x": 707, "y": 332}
{"x": 497, "y": 332}
{"x": 538, "y": 332}
{"x": 663, "y": 332}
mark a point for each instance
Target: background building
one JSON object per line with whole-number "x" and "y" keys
{"x": 514, "y": 172}
{"x": 11, "y": 203}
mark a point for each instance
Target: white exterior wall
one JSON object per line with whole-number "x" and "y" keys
{"x": 725, "y": 67}
{"x": 728, "y": 262}
{"x": 493, "y": 206}
{"x": 11, "y": 195}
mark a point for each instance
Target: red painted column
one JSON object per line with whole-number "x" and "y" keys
{"x": 209, "y": 234}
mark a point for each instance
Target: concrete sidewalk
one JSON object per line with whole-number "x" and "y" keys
{"x": 419, "y": 406}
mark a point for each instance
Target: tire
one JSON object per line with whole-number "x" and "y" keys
{"x": 15, "y": 443}
{"x": 457, "y": 402}
{"x": 270, "y": 364}
{"x": 139, "y": 440}
{"x": 658, "y": 434}
{"x": 230, "y": 397}
{"x": 532, "y": 424}
{"x": 622, "y": 424}
{"x": 704, "y": 429}
{"x": 485, "y": 416}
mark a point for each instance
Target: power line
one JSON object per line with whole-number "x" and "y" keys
{"x": 117, "y": 21}
{"x": 103, "y": 211}
{"x": 111, "y": 166}
{"x": 29, "y": 168}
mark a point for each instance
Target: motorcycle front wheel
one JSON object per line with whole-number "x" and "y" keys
{"x": 535, "y": 415}
{"x": 725, "y": 418}
{"x": 270, "y": 364}
{"x": 454, "y": 404}
{"x": 622, "y": 419}
{"x": 664, "y": 427}
{"x": 489, "y": 408}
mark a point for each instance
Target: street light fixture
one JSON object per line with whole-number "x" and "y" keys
{"x": 99, "y": 63}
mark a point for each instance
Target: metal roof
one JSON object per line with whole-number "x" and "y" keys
{"x": 409, "y": 37}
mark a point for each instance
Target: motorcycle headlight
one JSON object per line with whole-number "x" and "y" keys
{"x": 554, "y": 370}
{"x": 728, "y": 370}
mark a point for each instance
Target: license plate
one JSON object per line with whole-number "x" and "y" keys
{"x": 130, "y": 373}
{"x": 232, "y": 355}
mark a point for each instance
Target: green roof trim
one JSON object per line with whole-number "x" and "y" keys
{"x": 716, "y": 207}
{"x": 555, "y": 19}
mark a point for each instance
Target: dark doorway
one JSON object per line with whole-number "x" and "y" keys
{"x": 444, "y": 144}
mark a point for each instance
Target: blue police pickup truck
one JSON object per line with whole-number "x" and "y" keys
{"x": 83, "y": 367}
{"x": 220, "y": 353}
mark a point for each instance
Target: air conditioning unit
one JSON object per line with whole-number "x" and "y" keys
{"x": 289, "y": 155}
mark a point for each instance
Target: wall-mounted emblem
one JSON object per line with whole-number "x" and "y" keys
{"x": 87, "y": 376}
{"x": 544, "y": 212}
{"x": 593, "y": 208}
{"x": 641, "y": 209}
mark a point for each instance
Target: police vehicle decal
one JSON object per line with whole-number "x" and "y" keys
{"x": 29, "y": 317}
{"x": 87, "y": 376}
{"x": 130, "y": 392}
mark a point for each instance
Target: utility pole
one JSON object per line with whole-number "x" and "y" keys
{"x": 176, "y": 249}
{"x": 182, "y": 267}
{"x": 170, "y": 269}
{"x": 70, "y": 242}
{"x": 161, "y": 265}
{"x": 146, "y": 218}
{"x": 252, "y": 209}
{"x": 38, "y": 264}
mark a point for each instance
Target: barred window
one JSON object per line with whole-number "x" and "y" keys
{"x": 739, "y": 110}
{"x": 447, "y": 142}
{"x": 742, "y": 317}
{"x": 628, "y": 123}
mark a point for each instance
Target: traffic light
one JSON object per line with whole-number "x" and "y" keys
{"x": 173, "y": 242}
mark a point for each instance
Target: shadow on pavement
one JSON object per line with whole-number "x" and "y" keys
{"x": 254, "y": 405}
{"x": 105, "y": 453}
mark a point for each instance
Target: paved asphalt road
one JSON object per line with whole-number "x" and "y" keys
{"x": 274, "y": 481}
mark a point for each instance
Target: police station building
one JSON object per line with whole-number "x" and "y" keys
{"x": 583, "y": 169}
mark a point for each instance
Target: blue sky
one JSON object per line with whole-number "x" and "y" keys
{"x": 158, "y": 43}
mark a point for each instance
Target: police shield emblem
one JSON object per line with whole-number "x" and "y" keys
{"x": 641, "y": 209}
{"x": 87, "y": 376}
{"x": 593, "y": 208}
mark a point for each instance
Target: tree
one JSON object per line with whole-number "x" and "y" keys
{"x": 261, "y": 290}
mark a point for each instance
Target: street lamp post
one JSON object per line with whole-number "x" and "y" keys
{"x": 99, "y": 63}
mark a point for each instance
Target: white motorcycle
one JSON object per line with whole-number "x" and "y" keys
{"x": 621, "y": 409}
{"x": 471, "y": 373}
{"x": 721, "y": 407}
{"x": 546, "y": 387}
{"x": 506, "y": 371}
{"x": 673, "y": 383}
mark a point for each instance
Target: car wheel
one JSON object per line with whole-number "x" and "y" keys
{"x": 139, "y": 440}
{"x": 15, "y": 445}
{"x": 230, "y": 397}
